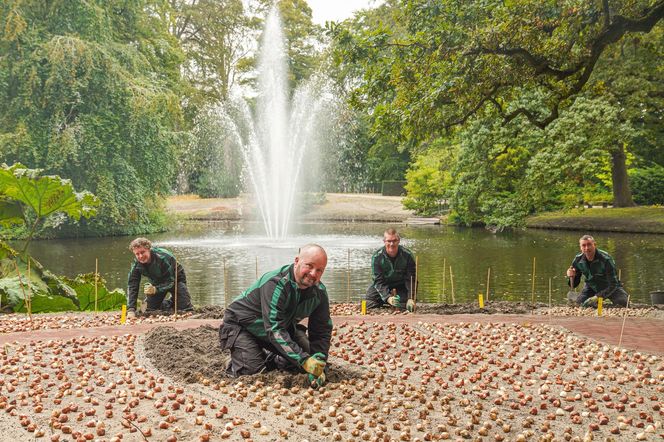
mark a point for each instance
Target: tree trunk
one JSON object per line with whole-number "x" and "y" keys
{"x": 622, "y": 194}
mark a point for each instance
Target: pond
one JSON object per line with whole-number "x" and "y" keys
{"x": 222, "y": 259}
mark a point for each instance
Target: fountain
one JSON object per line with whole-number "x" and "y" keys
{"x": 282, "y": 135}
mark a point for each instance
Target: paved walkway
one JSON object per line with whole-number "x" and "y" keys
{"x": 640, "y": 334}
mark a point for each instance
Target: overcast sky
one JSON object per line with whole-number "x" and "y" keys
{"x": 335, "y": 10}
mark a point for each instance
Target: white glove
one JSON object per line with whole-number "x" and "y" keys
{"x": 149, "y": 289}
{"x": 131, "y": 314}
{"x": 410, "y": 305}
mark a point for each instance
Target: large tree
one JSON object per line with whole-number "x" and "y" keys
{"x": 90, "y": 92}
{"x": 449, "y": 62}
{"x": 215, "y": 36}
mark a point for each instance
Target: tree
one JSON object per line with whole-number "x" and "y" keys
{"x": 215, "y": 36}
{"x": 90, "y": 92}
{"x": 447, "y": 64}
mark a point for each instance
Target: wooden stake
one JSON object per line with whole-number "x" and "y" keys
{"x": 20, "y": 281}
{"x": 416, "y": 270}
{"x": 96, "y": 276}
{"x": 175, "y": 290}
{"x": 225, "y": 286}
{"x": 452, "y": 285}
{"x": 532, "y": 292}
{"x": 348, "y": 277}
{"x": 622, "y": 329}
{"x": 444, "y": 271}
{"x": 488, "y": 279}
{"x": 549, "y": 300}
{"x": 29, "y": 291}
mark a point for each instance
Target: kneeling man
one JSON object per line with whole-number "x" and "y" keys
{"x": 262, "y": 327}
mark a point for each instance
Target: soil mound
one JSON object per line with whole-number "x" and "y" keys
{"x": 193, "y": 355}
{"x": 187, "y": 355}
{"x": 208, "y": 312}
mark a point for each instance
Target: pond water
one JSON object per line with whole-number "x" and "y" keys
{"x": 206, "y": 249}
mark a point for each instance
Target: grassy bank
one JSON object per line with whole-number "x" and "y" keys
{"x": 632, "y": 219}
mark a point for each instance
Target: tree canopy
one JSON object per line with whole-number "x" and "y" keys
{"x": 90, "y": 92}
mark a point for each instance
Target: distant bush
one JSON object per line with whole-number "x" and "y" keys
{"x": 647, "y": 185}
{"x": 393, "y": 188}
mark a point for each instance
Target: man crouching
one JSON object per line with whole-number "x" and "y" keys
{"x": 262, "y": 327}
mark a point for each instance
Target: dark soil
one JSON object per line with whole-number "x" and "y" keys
{"x": 492, "y": 307}
{"x": 193, "y": 355}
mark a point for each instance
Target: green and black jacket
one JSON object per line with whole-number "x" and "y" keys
{"x": 160, "y": 271}
{"x": 274, "y": 304}
{"x": 600, "y": 273}
{"x": 389, "y": 273}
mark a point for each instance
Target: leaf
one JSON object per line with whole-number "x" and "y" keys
{"x": 85, "y": 290}
{"x": 45, "y": 195}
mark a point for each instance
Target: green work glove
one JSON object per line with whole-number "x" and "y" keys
{"x": 590, "y": 302}
{"x": 316, "y": 382}
{"x": 410, "y": 305}
{"x": 314, "y": 365}
{"x": 149, "y": 289}
{"x": 394, "y": 301}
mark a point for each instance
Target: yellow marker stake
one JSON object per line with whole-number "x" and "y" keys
{"x": 480, "y": 298}
{"x": 364, "y": 307}
{"x": 599, "y": 306}
{"x": 123, "y": 315}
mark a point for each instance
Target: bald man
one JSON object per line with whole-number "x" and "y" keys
{"x": 262, "y": 326}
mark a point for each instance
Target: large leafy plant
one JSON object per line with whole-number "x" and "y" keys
{"x": 27, "y": 197}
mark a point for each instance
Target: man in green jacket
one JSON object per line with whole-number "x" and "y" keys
{"x": 393, "y": 270}
{"x": 159, "y": 267}
{"x": 599, "y": 271}
{"x": 262, "y": 327}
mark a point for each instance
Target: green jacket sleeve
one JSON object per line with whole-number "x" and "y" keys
{"x": 274, "y": 301}
{"x": 320, "y": 327}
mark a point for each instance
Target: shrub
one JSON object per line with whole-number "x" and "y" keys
{"x": 647, "y": 185}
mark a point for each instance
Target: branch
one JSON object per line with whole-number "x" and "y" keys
{"x": 611, "y": 33}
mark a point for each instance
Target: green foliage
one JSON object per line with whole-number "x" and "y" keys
{"x": 543, "y": 98}
{"x": 427, "y": 185}
{"x": 46, "y": 288}
{"x": 90, "y": 93}
{"x": 42, "y": 198}
{"x": 215, "y": 36}
{"x": 212, "y": 162}
{"x": 648, "y": 185}
{"x": 107, "y": 300}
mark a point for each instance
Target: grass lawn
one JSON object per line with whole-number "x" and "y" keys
{"x": 646, "y": 219}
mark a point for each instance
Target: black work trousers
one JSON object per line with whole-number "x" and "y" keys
{"x": 158, "y": 301}
{"x": 375, "y": 301}
{"x": 618, "y": 296}
{"x": 250, "y": 355}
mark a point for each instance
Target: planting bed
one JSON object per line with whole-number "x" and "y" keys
{"x": 393, "y": 376}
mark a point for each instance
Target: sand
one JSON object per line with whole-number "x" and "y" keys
{"x": 392, "y": 377}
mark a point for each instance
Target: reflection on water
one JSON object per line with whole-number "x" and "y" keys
{"x": 205, "y": 249}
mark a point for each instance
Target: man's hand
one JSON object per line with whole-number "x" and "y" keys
{"x": 314, "y": 365}
{"x": 571, "y": 272}
{"x": 149, "y": 289}
{"x": 410, "y": 305}
{"x": 131, "y": 313}
{"x": 394, "y": 301}
{"x": 316, "y": 382}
